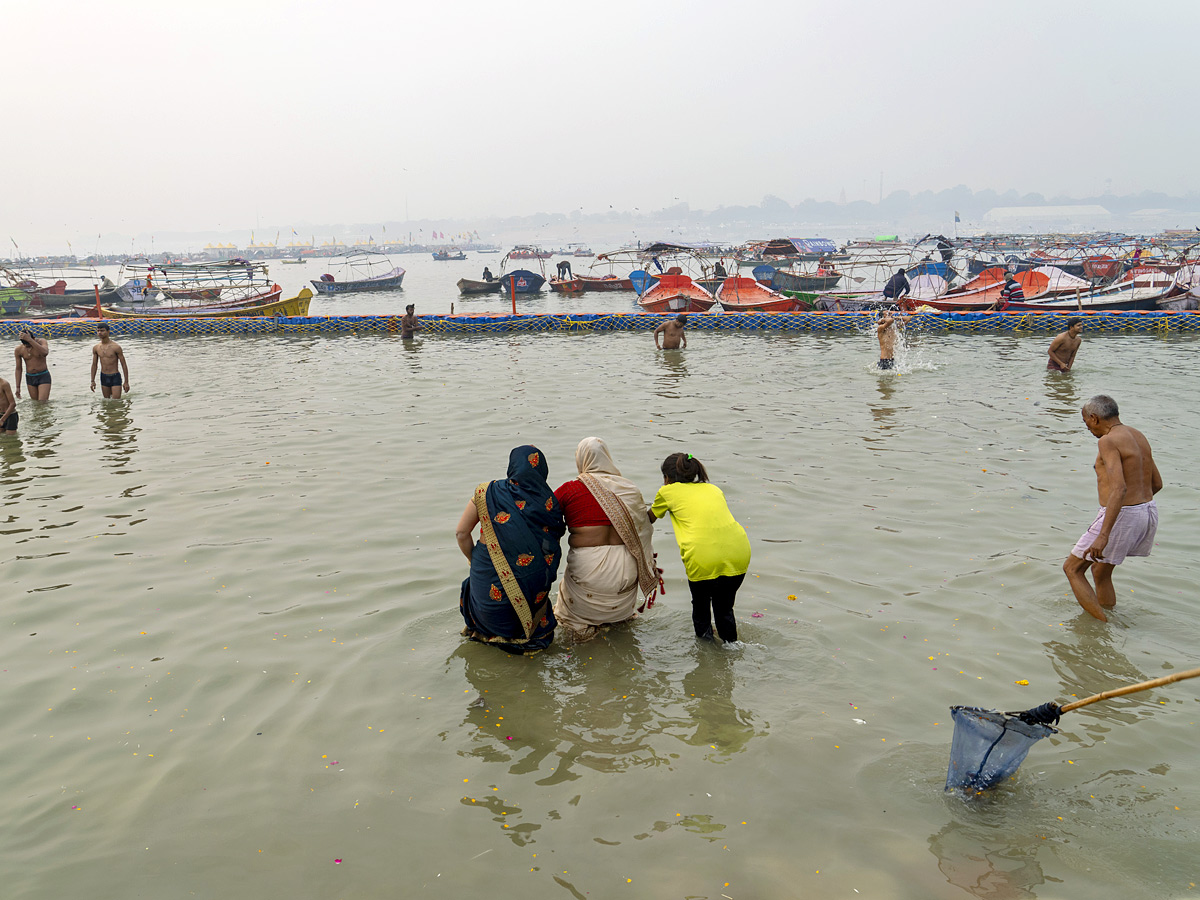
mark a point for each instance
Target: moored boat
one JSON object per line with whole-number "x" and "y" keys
{"x": 521, "y": 281}
{"x": 470, "y": 286}
{"x": 787, "y": 280}
{"x": 739, "y": 294}
{"x": 566, "y": 285}
{"x": 676, "y": 292}
{"x": 451, "y": 254}
{"x": 292, "y": 306}
{"x": 605, "y": 283}
{"x": 362, "y": 271}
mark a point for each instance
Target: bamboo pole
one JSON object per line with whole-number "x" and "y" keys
{"x": 1131, "y": 689}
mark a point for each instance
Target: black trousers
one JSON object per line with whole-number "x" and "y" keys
{"x": 718, "y": 595}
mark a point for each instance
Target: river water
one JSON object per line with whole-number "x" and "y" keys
{"x": 232, "y": 666}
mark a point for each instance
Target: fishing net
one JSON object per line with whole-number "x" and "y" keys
{"x": 988, "y": 746}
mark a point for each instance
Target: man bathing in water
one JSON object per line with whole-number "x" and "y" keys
{"x": 1127, "y": 480}
{"x": 1064, "y": 347}
{"x": 409, "y": 323}
{"x": 672, "y": 333}
{"x": 31, "y": 353}
{"x": 887, "y": 330}
{"x": 108, "y": 354}
{"x": 8, "y": 409}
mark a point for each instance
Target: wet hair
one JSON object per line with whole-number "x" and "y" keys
{"x": 410, "y": 306}
{"x": 681, "y": 318}
{"x": 102, "y": 327}
{"x": 1073, "y": 321}
{"x": 683, "y": 467}
{"x": 1101, "y": 406}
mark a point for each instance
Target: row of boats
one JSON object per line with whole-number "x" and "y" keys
{"x": 234, "y": 287}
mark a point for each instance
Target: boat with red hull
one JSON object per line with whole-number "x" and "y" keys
{"x": 604, "y": 283}
{"x": 747, "y": 295}
{"x": 676, "y": 293}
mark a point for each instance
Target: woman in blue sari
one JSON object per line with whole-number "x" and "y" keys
{"x": 506, "y": 599}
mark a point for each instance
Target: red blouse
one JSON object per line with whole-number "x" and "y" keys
{"x": 579, "y": 506}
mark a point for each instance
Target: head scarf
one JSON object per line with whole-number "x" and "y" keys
{"x": 601, "y": 476}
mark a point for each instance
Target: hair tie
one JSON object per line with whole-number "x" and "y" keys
{"x": 689, "y": 456}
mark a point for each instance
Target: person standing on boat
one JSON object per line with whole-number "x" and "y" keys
{"x": 1126, "y": 480}
{"x": 887, "y": 330}
{"x": 1064, "y": 347}
{"x": 107, "y": 354}
{"x": 719, "y": 270}
{"x": 8, "y": 409}
{"x": 672, "y": 333}
{"x": 896, "y": 287}
{"x": 31, "y": 353}
{"x": 487, "y": 274}
{"x": 409, "y": 323}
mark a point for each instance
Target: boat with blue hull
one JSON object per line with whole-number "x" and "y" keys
{"x": 361, "y": 272}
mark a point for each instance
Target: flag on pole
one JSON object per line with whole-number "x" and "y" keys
{"x": 956, "y": 218}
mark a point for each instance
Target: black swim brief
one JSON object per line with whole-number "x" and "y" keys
{"x": 33, "y": 379}
{"x": 113, "y": 380}
{"x": 887, "y": 364}
{"x": 10, "y": 424}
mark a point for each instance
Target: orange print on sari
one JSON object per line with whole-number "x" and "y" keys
{"x": 549, "y": 503}
{"x": 502, "y": 518}
{"x": 524, "y": 559}
{"x": 534, "y": 459}
{"x": 520, "y": 504}
{"x": 494, "y": 593}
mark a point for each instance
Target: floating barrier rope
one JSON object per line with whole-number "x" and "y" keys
{"x": 1155, "y": 323}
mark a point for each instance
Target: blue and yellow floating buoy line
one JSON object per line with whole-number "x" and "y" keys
{"x": 1153, "y": 323}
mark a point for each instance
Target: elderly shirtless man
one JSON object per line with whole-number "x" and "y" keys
{"x": 107, "y": 355}
{"x": 1127, "y": 480}
{"x": 31, "y": 354}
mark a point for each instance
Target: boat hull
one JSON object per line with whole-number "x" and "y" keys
{"x": 390, "y": 282}
{"x": 607, "y": 283}
{"x": 676, "y": 294}
{"x": 784, "y": 280}
{"x": 292, "y": 306}
{"x": 468, "y": 286}
{"x": 522, "y": 281}
{"x": 747, "y": 295}
{"x": 566, "y": 285}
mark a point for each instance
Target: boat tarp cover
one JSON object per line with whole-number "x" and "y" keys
{"x": 814, "y": 245}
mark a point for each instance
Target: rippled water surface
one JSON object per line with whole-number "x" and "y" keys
{"x": 231, "y": 655}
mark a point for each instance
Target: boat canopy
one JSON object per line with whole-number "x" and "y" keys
{"x": 791, "y": 246}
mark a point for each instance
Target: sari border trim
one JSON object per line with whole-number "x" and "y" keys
{"x": 516, "y": 597}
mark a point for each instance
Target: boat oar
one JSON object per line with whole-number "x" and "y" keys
{"x": 989, "y": 746}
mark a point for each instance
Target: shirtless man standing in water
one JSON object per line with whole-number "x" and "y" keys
{"x": 1064, "y": 347}
{"x": 672, "y": 333}
{"x": 1127, "y": 480}
{"x": 886, "y": 331}
{"x": 31, "y": 353}
{"x": 107, "y": 354}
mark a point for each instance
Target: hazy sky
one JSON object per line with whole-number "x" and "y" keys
{"x": 131, "y": 116}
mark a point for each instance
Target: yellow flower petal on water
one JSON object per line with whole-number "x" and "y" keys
{"x": 1023, "y": 682}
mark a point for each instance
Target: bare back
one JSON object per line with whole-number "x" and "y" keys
{"x": 1126, "y": 450}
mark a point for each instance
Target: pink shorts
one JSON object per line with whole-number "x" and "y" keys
{"x": 1132, "y": 534}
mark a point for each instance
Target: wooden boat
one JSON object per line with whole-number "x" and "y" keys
{"x": 566, "y": 285}
{"x": 780, "y": 252}
{"x": 676, "y": 293}
{"x": 362, "y": 272}
{"x": 787, "y": 280}
{"x": 1141, "y": 288}
{"x": 469, "y": 286}
{"x": 605, "y": 283}
{"x": 293, "y": 306}
{"x": 1033, "y": 285}
{"x": 293, "y": 262}
{"x": 582, "y": 251}
{"x": 522, "y": 281}
{"x": 747, "y": 295}
{"x": 451, "y": 255}
{"x": 14, "y": 302}
{"x": 145, "y": 311}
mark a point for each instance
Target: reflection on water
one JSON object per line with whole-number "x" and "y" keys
{"x": 671, "y": 370}
{"x": 988, "y": 863}
{"x": 1062, "y": 396}
{"x": 117, "y": 433}
{"x": 885, "y": 411}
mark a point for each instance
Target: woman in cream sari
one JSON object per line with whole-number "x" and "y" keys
{"x": 610, "y": 563}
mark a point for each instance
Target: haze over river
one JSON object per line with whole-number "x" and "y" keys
{"x": 231, "y": 661}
